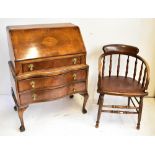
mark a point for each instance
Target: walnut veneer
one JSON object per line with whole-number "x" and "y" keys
{"x": 47, "y": 62}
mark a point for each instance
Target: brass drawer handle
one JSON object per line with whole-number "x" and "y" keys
{"x": 74, "y": 60}
{"x": 74, "y": 76}
{"x": 32, "y": 83}
{"x": 31, "y": 67}
{"x": 34, "y": 97}
{"x": 74, "y": 90}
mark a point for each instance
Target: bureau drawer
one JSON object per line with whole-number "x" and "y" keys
{"x": 53, "y": 81}
{"x": 51, "y": 94}
{"x": 61, "y": 62}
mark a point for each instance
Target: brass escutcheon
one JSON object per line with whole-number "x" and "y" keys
{"x": 32, "y": 83}
{"x": 74, "y": 76}
{"x": 74, "y": 60}
{"x": 31, "y": 67}
{"x": 34, "y": 96}
{"x": 74, "y": 90}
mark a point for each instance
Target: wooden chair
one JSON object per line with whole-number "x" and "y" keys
{"x": 132, "y": 85}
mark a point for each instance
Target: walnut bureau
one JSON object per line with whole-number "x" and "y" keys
{"x": 48, "y": 62}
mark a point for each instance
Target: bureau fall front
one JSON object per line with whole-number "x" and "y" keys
{"x": 48, "y": 62}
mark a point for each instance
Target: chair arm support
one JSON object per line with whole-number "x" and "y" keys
{"x": 100, "y": 66}
{"x": 147, "y": 72}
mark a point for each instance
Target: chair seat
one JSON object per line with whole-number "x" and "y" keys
{"x": 121, "y": 86}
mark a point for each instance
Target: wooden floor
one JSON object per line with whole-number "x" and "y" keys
{"x": 64, "y": 117}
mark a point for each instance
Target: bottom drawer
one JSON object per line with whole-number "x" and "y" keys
{"x": 47, "y": 94}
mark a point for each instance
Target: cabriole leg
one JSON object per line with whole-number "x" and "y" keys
{"x": 100, "y": 101}
{"x": 20, "y": 114}
{"x": 14, "y": 98}
{"x": 85, "y": 95}
{"x": 140, "y": 112}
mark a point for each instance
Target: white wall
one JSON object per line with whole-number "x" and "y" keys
{"x": 96, "y": 33}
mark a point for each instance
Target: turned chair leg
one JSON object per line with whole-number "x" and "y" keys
{"x": 140, "y": 112}
{"x": 85, "y": 95}
{"x": 100, "y": 101}
{"x": 20, "y": 114}
{"x": 129, "y": 98}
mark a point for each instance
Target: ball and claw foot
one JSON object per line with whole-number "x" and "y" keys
{"x": 22, "y": 128}
{"x": 15, "y": 108}
{"x": 71, "y": 96}
{"x": 97, "y": 125}
{"x": 84, "y": 111}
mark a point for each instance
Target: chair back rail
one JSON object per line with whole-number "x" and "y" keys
{"x": 131, "y": 52}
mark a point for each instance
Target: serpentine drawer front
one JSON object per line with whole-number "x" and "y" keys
{"x": 51, "y": 94}
{"x": 52, "y": 81}
{"x": 48, "y": 62}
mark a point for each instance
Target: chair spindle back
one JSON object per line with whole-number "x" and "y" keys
{"x": 130, "y": 52}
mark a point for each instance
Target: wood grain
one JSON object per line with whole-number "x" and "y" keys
{"x": 48, "y": 62}
{"x": 123, "y": 85}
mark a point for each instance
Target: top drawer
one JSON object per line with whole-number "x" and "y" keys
{"x": 54, "y": 63}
